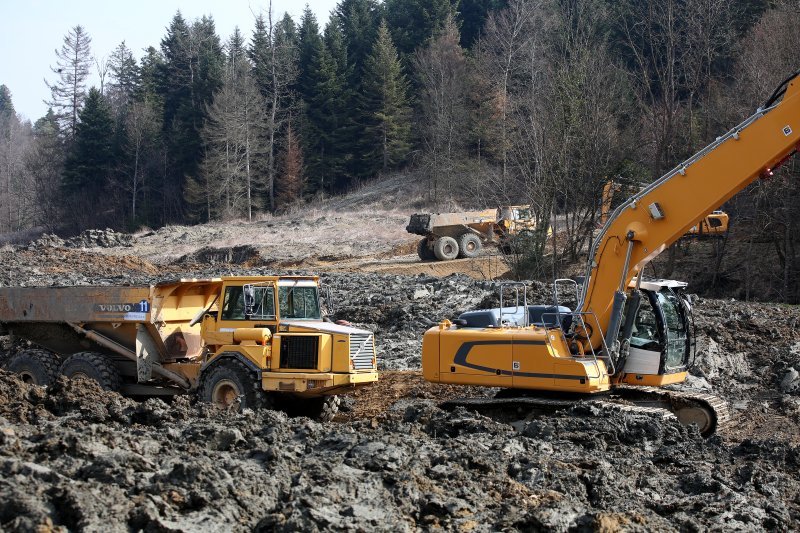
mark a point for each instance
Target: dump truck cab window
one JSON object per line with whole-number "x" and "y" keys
{"x": 298, "y": 302}
{"x": 522, "y": 213}
{"x": 233, "y": 304}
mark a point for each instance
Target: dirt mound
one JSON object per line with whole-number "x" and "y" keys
{"x": 90, "y": 238}
{"x": 103, "y": 462}
{"x": 63, "y": 266}
{"x": 24, "y": 403}
{"x": 238, "y": 255}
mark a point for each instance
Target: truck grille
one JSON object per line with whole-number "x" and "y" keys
{"x": 362, "y": 350}
{"x": 299, "y": 351}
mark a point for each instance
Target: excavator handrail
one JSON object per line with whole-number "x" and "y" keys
{"x": 516, "y": 285}
{"x": 579, "y": 315}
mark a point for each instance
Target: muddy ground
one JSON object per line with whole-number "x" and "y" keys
{"x": 74, "y": 457}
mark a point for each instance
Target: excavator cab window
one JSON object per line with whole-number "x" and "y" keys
{"x": 675, "y": 328}
{"x": 645, "y": 327}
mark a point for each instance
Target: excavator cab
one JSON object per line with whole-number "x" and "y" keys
{"x": 656, "y": 339}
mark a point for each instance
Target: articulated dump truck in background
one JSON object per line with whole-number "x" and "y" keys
{"x": 238, "y": 342}
{"x": 447, "y": 236}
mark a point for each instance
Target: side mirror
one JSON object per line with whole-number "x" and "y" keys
{"x": 249, "y": 300}
{"x": 325, "y": 295}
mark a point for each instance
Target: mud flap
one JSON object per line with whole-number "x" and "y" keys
{"x": 147, "y": 354}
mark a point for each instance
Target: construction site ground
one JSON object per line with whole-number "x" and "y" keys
{"x": 75, "y": 457}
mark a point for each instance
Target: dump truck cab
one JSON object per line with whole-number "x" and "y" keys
{"x": 276, "y": 325}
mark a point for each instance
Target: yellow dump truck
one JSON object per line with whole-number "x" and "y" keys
{"x": 447, "y": 236}
{"x": 239, "y": 342}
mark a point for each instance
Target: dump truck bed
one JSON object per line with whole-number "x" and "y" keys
{"x": 75, "y": 304}
{"x": 48, "y": 315}
{"x": 431, "y": 223}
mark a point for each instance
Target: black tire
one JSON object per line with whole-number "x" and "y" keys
{"x": 229, "y": 384}
{"x": 424, "y": 251}
{"x": 445, "y": 248}
{"x": 469, "y": 245}
{"x": 94, "y": 366}
{"x": 39, "y": 367}
{"x": 322, "y": 409}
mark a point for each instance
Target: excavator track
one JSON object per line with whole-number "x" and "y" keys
{"x": 708, "y": 412}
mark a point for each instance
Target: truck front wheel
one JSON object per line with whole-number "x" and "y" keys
{"x": 445, "y": 248}
{"x": 424, "y": 251}
{"x": 39, "y": 367}
{"x": 231, "y": 385}
{"x": 91, "y": 365}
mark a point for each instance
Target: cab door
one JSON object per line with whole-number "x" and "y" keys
{"x": 231, "y": 314}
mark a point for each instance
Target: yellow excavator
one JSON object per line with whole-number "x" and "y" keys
{"x": 628, "y": 337}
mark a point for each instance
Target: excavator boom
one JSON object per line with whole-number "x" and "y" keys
{"x": 654, "y": 218}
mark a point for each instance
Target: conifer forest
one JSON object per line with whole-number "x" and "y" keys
{"x": 487, "y": 101}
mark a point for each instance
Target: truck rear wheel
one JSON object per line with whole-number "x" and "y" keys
{"x": 469, "y": 245}
{"x": 231, "y": 385}
{"x": 322, "y": 409}
{"x": 445, "y": 248}
{"x": 39, "y": 367}
{"x": 424, "y": 251}
{"x": 92, "y": 365}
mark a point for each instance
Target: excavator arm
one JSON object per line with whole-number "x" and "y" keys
{"x": 657, "y": 216}
{"x": 537, "y": 352}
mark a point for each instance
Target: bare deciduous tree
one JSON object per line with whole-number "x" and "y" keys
{"x": 226, "y": 184}
{"x": 442, "y": 69}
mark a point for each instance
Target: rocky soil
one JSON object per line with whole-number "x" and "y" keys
{"x": 75, "y": 457}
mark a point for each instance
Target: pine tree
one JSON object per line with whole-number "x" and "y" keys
{"x": 189, "y": 75}
{"x": 72, "y": 67}
{"x": 309, "y": 49}
{"x": 290, "y": 184}
{"x": 124, "y": 71}
{"x": 413, "y": 22}
{"x": 325, "y": 135}
{"x": 273, "y": 53}
{"x": 150, "y": 69}
{"x": 89, "y": 164}
{"x": 358, "y": 21}
{"x": 384, "y": 104}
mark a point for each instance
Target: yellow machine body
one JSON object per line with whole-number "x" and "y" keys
{"x": 171, "y": 333}
{"x": 625, "y": 330}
